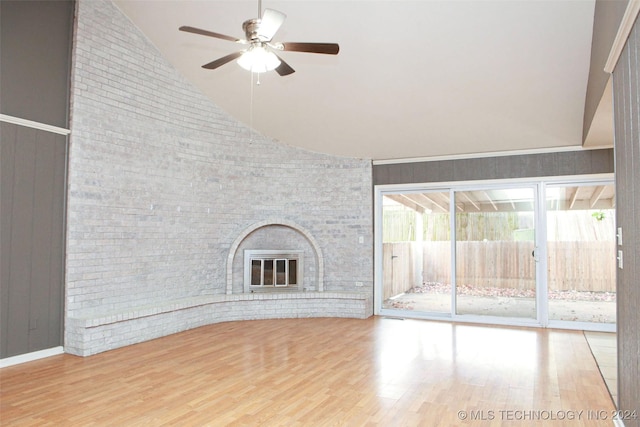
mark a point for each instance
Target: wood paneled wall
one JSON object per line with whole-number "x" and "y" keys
{"x": 32, "y": 200}
{"x": 626, "y": 93}
{"x": 503, "y": 167}
{"x": 35, "y": 60}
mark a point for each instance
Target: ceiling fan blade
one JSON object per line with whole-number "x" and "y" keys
{"x": 284, "y": 69}
{"x": 327, "y": 48}
{"x": 270, "y": 23}
{"x": 210, "y": 34}
{"x": 221, "y": 61}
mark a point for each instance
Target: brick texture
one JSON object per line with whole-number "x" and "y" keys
{"x": 162, "y": 182}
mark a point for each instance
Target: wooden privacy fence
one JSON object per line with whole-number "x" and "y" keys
{"x": 582, "y": 266}
{"x": 495, "y": 264}
{"x": 577, "y": 266}
{"x": 399, "y": 266}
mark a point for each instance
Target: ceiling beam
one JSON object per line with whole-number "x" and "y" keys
{"x": 428, "y": 200}
{"x": 573, "y": 198}
{"x": 425, "y": 204}
{"x": 447, "y": 199}
{"x": 490, "y": 200}
{"x": 399, "y": 198}
{"x": 466, "y": 196}
{"x": 596, "y": 195}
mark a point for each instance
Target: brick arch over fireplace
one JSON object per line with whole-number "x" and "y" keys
{"x": 267, "y": 223}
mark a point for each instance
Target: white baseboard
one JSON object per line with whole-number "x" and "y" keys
{"x": 29, "y": 357}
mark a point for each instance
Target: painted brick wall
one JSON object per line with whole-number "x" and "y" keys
{"x": 90, "y": 336}
{"x": 161, "y": 182}
{"x": 285, "y": 238}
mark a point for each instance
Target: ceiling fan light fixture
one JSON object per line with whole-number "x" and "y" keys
{"x": 257, "y": 59}
{"x": 259, "y": 32}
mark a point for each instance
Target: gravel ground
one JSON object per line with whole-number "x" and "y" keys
{"x": 598, "y": 307}
{"x": 445, "y": 288}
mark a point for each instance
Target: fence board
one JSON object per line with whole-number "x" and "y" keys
{"x": 577, "y": 266}
{"x": 399, "y": 266}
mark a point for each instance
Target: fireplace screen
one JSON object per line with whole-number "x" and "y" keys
{"x": 272, "y": 269}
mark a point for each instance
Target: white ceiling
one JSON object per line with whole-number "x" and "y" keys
{"x": 412, "y": 79}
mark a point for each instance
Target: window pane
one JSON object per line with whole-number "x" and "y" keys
{"x": 256, "y": 272}
{"x": 581, "y": 250}
{"x": 281, "y": 270}
{"x": 293, "y": 272}
{"x": 495, "y": 244}
{"x": 268, "y": 272}
{"x": 416, "y": 252}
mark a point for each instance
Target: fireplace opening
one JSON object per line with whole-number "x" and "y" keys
{"x": 272, "y": 270}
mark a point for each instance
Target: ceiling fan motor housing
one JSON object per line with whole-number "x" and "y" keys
{"x": 251, "y": 28}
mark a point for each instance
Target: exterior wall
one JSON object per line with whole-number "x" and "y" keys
{"x": 162, "y": 182}
{"x": 502, "y": 167}
{"x": 626, "y": 93}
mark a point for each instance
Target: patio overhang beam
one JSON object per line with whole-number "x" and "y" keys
{"x": 573, "y": 198}
{"x": 403, "y": 200}
{"x": 490, "y": 200}
{"x": 473, "y": 203}
{"x": 423, "y": 199}
{"x": 596, "y": 196}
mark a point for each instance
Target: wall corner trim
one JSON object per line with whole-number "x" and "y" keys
{"x": 34, "y": 125}
{"x": 629, "y": 18}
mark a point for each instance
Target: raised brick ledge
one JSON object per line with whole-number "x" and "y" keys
{"x": 90, "y": 320}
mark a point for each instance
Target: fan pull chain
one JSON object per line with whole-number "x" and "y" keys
{"x": 251, "y": 111}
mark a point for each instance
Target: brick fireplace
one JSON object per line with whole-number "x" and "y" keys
{"x": 258, "y": 256}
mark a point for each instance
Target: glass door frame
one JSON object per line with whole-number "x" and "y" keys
{"x": 539, "y": 186}
{"x": 538, "y": 248}
{"x": 594, "y": 180}
{"x": 380, "y": 191}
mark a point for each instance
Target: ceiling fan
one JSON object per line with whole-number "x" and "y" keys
{"x": 260, "y": 55}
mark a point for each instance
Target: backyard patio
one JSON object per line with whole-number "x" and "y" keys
{"x": 595, "y": 307}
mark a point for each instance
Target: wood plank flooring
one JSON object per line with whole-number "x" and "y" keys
{"x": 319, "y": 372}
{"x": 604, "y": 347}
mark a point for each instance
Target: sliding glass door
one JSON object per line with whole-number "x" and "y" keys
{"x": 495, "y": 252}
{"x": 416, "y": 252}
{"x": 581, "y": 247}
{"x": 528, "y": 253}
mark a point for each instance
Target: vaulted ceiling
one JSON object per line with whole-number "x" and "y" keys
{"x": 413, "y": 79}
